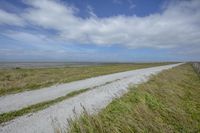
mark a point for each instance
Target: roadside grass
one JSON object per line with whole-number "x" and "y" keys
{"x": 36, "y": 107}
{"x": 18, "y": 80}
{"x": 4, "y": 117}
{"x": 168, "y": 102}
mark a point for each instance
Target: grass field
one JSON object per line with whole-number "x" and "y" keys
{"x": 168, "y": 102}
{"x": 18, "y": 80}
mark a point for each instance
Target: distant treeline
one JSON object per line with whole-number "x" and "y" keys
{"x": 196, "y": 66}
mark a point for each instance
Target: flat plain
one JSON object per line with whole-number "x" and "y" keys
{"x": 22, "y": 79}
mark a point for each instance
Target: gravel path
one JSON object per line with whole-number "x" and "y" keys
{"x": 20, "y": 100}
{"x": 46, "y": 120}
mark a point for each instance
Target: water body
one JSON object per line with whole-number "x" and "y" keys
{"x": 17, "y": 65}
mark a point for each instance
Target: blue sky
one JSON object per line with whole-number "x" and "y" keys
{"x": 100, "y": 30}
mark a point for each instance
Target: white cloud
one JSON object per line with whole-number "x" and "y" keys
{"x": 91, "y": 11}
{"x": 177, "y": 26}
{"x": 117, "y": 2}
{"x": 132, "y": 5}
{"x": 51, "y": 14}
{"x": 35, "y": 40}
{"x": 10, "y": 19}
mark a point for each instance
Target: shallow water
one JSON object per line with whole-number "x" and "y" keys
{"x": 8, "y": 65}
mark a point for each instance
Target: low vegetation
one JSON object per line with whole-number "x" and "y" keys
{"x": 36, "y": 107}
{"x": 168, "y": 102}
{"x": 18, "y": 80}
{"x": 4, "y": 117}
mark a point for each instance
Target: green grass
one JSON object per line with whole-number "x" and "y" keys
{"x": 18, "y": 80}
{"x": 168, "y": 102}
{"x": 36, "y": 107}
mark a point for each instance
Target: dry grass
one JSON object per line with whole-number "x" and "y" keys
{"x": 168, "y": 103}
{"x": 18, "y": 80}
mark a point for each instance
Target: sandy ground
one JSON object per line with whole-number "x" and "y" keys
{"x": 47, "y": 120}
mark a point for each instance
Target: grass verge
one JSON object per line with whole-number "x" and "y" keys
{"x": 168, "y": 102}
{"x": 36, "y": 107}
{"x": 18, "y": 80}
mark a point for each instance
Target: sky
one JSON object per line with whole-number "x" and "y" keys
{"x": 100, "y": 30}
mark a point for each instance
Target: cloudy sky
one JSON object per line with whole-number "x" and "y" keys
{"x": 100, "y": 30}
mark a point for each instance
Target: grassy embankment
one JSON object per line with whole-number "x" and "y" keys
{"x": 18, "y": 80}
{"x": 36, "y": 107}
{"x": 168, "y": 102}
